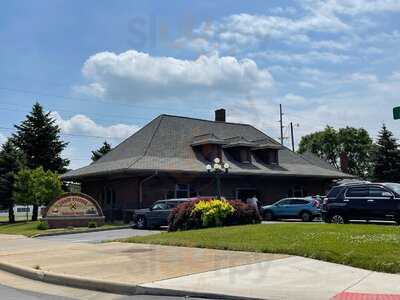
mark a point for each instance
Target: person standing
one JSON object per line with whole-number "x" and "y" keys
{"x": 253, "y": 201}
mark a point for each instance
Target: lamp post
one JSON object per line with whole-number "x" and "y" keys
{"x": 217, "y": 168}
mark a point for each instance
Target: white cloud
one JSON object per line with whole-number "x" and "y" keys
{"x": 294, "y": 100}
{"x": 239, "y": 32}
{"x": 312, "y": 57}
{"x": 290, "y": 10}
{"x": 363, "y": 77}
{"x": 353, "y": 7}
{"x": 305, "y": 84}
{"x": 331, "y": 45}
{"x": 81, "y": 124}
{"x": 352, "y": 101}
{"x": 137, "y": 76}
{"x": 247, "y": 30}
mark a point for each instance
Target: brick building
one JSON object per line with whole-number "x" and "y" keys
{"x": 167, "y": 158}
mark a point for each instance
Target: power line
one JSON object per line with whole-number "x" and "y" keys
{"x": 103, "y": 101}
{"x": 72, "y": 134}
{"x": 73, "y": 112}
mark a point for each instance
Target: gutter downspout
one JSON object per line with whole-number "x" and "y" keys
{"x": 141, "y": 187}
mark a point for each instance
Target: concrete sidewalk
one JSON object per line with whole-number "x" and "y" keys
{"x": 192, "y": 270}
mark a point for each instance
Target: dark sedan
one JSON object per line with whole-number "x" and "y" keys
{"x": 157, "y": 214}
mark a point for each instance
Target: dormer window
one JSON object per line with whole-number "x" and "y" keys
{"x": 211, "y": 151}
{"x": 208, "y": 145}
{"x": 240, "y": 154}
{"x": 267, "y": 156}
{"x": 239, "y": 148}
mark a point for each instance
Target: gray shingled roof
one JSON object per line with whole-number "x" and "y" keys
{"x": 165, "y": 144}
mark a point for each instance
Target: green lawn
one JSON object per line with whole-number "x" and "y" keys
{"x": 17, "y": 218}
{"x": 29, "y": 229}
{"x": 373, "y": 247}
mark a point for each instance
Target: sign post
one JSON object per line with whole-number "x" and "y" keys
{"x": 396, "y": 113}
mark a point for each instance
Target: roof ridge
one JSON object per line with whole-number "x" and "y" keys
{"x": 125, "y": 140}
{"x": 204, "y": 120}
{"x": 149, "y": 143}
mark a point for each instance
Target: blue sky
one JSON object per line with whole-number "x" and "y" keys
{"x": 106, "y": 68}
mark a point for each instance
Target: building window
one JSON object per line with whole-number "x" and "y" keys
{"x": 108, "y": 197}
{"x": 296, "y": 191}
{"x": 182, "y": 191}
{"x": 241, "y": 154}
{"x": 23, "y": 209}
{"x": 268, "y": 156}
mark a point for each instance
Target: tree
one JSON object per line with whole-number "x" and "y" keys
{"x": 358, "y": 146}
{"x": 324, "y": 144}
{"x": 386, "y": 158}
{"x": 10, "y": 163}
{"x": 329, "y": 144}
{"x": 36, "y": 187}
{"x": 104, "y": 149}
{"x": 38, "y": 137}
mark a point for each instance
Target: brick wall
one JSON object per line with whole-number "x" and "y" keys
{"x": 269, "y": 189}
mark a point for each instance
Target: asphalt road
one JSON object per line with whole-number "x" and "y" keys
{"x": 100, "y": 236}
{"x": 8, "y": 293}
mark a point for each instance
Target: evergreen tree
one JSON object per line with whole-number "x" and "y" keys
{"x": 10, "y": 164}
{"x": 386, "y": 162}
{"x": 104, "y": 149}
{"x": 38, "y": 137}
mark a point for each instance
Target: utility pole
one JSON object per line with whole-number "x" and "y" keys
{"x": 292, "y": 133}
{"x": 281, "y": 122}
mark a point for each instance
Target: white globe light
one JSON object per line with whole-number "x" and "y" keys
{"x": 208, "y": 167}
{"x": 217, "y": 160}
{"x": 217, "y": 166}
{"x": 226, "y": 166}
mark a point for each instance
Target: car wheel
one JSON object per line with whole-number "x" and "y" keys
{"x": 268, "y": 216}
{"x": 397, "y": 219}
{"x": 306, "y": 216}
{"x": 338, "y": 219}
{"x": 141, "y": 222}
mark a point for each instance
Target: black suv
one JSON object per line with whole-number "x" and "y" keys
{"x": 362, "y": 201}
{"x": 156, "y": 215}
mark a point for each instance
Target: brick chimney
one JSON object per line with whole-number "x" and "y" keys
{"x": 220, "y": 115}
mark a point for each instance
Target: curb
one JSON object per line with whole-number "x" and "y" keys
{"x": 108, "y": 286}
{"x": 82, "y": 231}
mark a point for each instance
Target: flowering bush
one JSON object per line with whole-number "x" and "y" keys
{"x": 189, "y": 215}
{"x": 213, "y": 212}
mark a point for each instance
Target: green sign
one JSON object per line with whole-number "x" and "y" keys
{"x": 396, "y": 113}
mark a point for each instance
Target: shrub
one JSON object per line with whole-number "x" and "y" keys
{"x": 92, "y": 224}
{"x": 182, "y": 217}
{"x": 243, "y": 214}
{"x": 186, "y": 217}
{"x": 42, "y": 225}
{"x": 213, "y": 212}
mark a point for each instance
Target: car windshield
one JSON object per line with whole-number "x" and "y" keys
{"x": 393, "y": 186}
